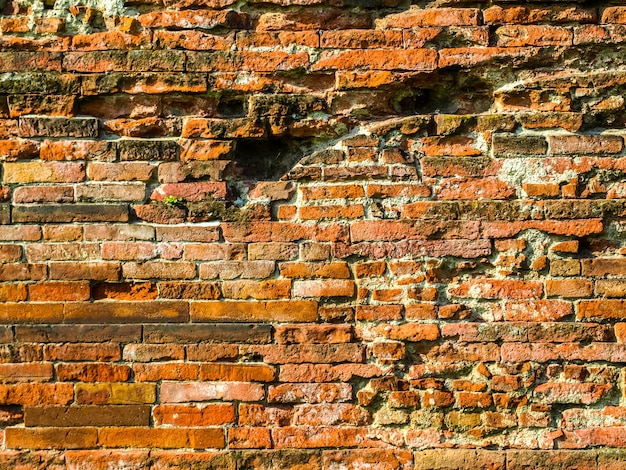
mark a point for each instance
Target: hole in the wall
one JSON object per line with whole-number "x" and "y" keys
{"x": 268, "y": 160}
{"x": 231, "y": 107}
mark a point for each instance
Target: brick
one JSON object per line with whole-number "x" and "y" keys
{"x": 173, "y": 392}
{"x": 84, "y": 416}
{"x": 585, "y": 393}
{"x": 36, "y": 394}
{"x": 586, "y": 144}
{"x": 63, "y": 213}
{"x": 31, "y": 313}
{"x": 156, "y": 352}
{"x": 126, "y": 312}
{"x": 214, "y": 333}
{"x": 600, "y": 309}
{"x": 237, "y": 372}
{"x": 228, "y": 269}
{"x": 78, "y": 333}
{"x": 165, "y": 371}
{"x": 48, "y": 438}
{"x": 46, "y": 172}
{"x": 28, "y": 372}
{"x": 448, "y": 459}
{"x": 313, "y": 353}
{"x": 409, "y": 332}
{"x": 10, "y": 253}
{"x": 58, "y": 127}
{"x": 281, "y": 311}
{"x": 43, "y": 194}
{"x": 327, "y": 372}
{"x": 110, "y": 192}
{"x": 115, "y": 394}
{"x": 59, "y": 291}
{"x": 287, "y": 334}
{"x": 309, "y": 393}
{"x": 498, "y": 289}
{"x": 272, "y": 251}
{"x": 314, "y": 437}
{"x": 125, "y": 291}
{"x": 415, "y": 59}
{"x": 122, "y": 171}
{"x": 249, "y": 438}
{"x": 78, "y": 271}
{"x": 569, "y": 288}
{"x": 214, "y": 414}
{"x": 195, "y": 438}
{"x": 82, "y": 351}
{"x": 159, "y": 269}
{"x": 118, "y": 232}
{"x": 93, "y": 372}
{"x": 261, "y": 290}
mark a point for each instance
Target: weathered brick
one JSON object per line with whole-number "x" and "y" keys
{"x": 213, "y": 414}
{"x": 126, "y": 312}
{"x": 115, "y": 394}
{"x": 173, "y": 392}
{"x": 84, "y": 416}
{"x": 48, "y": 438}
{"x": 246, "y": 311}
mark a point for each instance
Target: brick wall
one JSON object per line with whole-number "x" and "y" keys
{"x": 312, "y": 234}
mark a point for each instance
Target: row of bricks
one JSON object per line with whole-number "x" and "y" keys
{"x": 76, "y": 57}
{"x": 338, "y": 19}
{"x": 295, "y": 437}
{"x": 283, "y": 310}
{"x": 202, "y": 136}
{"x": 306, "y": 459}
{"x": 160, "y": 338}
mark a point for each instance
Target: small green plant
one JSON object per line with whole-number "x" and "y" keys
{"x": 173, "y": 200}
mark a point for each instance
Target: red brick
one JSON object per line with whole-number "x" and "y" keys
{"x": 409, "y": 332}
{"x": 377, "y": 59}
{"x": 172, "y": 392}
{"x": 249, "y": 438}
{"x": 431, "y": 17}
{"x": 585, "y": 393}
{"x": 194, "y": 438}
{"x": 31, "y": 313}
{"x": 27, "y": 372}
{"x": 286, "y": 334}
{"x": 237, "y": 372}
{"x": 214, "y": 414}
{"x": 115, "y": 394}
{"x": 129, "y": 312}
{"x": 585, "y": 144}
{"x": 58, "y": 291}
{"x": 92, "y": 372}
{"x": 498, "y": 289}
{"x": 313, "y": 353}
{"x": 309, "y": 393}
{"x": 165, "y": 371}
{"x": 82, "y": 352}
{"x": 48, "y": 438}
{"x": 327, "y": 372}
{"x": 30, "y": 394}
{"x": 281, "y": 311}
{"x": 322, "y": 288}
{"x": 79, "y": 271}
{"x": 569, "y": 288}
{"x": 160, "y": 270}
{"x": 125, "y": 291}
{"x": 260, "y": 290}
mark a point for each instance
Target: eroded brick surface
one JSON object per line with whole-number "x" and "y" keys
{"x": 312, "y": 234}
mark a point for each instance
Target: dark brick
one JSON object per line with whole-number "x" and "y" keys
{"x": 214, "y": 333}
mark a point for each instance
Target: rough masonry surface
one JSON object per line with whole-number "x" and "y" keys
{"x": 312, "y": 234}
